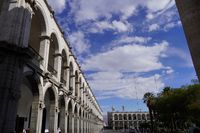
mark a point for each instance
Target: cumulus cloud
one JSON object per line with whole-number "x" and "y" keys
{"x": 165, "y": 19}
{"x": 128, "y": 58}
{"x": 93, "y": 10}
{"x": 98, "y": 16}
{"x": 131, "y": 40}
{"x": 57, "y": 5}
{"x": 79, "y": 42}
{"x": 116, "y": 26}
{"x": 153, "y": 27}
{"x": 115, "y": 84}
{"x": 155, "y": 5}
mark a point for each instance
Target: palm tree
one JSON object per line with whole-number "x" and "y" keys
{"x": 148, "y": 99}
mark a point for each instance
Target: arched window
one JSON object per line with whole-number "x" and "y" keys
{"x": 71, "y": 76}
{"x": 129, "y": 117}
{"x": 63, "y": 76}
{"x": 53, "y": 55}
{"x": 139, "y": 116}
{"x": 76, "y": 83}
{"x": 125, "y": 116}
{"x": 134, "y": 116}
{"x": 116, "y": 117}
{"x": 38, "y": 29}
{"x": 143, "y": 117}
{"x": 80, "y": 87}
{"x": 120, "y": 116}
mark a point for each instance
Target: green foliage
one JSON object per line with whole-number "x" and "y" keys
{"x": 174, "y": 108}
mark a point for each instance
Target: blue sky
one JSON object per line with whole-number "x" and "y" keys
{"x": 126, "y": 47}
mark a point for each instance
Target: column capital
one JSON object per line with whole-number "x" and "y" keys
{"x": 45, "y": 37}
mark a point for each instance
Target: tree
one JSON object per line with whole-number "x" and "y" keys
{"x": 148, "y": 99}
{"x": 174, "y": 108}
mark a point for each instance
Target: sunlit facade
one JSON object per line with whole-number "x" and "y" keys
{"x": 42, "y": 87}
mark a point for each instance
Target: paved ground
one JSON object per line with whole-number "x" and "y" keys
{"x": 111, "y": 131}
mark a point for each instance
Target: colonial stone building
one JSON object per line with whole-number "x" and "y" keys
{"x": 42, "y": 87}
{"x": 190, "y": 16}
{"x": 127, "y": 120}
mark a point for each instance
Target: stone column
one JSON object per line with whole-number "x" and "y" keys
{"x": 78, "y": 126}
{"x": 68, "y": 77}
{"x": 75, "y": 124}
{"x": 66, "y": 122}
{"x": 113, "y": 125}
{"x": 72, "y": 123}
{"x": 36, "y": 116}
{"x": 73, "y": 84}
{"x": 58, "y": 57}
{"x": 62, "y": 119}
{"x": 44, "y": 50}
{"x": 81, "y": 125}
{"x": 14, "y": 34}
{"x": 52, "y": 119}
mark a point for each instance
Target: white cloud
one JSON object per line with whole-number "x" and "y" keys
{"x": 128, "y": 58}
{"x": 153, "y": 27}
{"x": 85, "y": 10}
{"x": 92, "y": 10}
{"x": 132, "y": 39}
{"x": 166, "y": 19}
{"x": 117, "y": 26}
{"x": 131, "y": 87}
{"x": 155, "y": 5}
{"x": 57, "y": 5}
{"x": 120, "y": 26}
{"x": 170, "y": 71}
{"x": 79, "y": 42}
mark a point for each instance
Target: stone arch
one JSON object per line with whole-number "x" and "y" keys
{"x": 61, "y": 114}
{"x": 125, "y": 116}
{"x": 64, "y": 67}
{"x": 143, "y": 117}
{"x": 28, "y": 105}
{"x": 70, "y": 116}
{"x": 53, "y": 55}
{"x": 116, "y": 117}
{"x": 120, "y": 116}
{"x": 84, "y": 94}
{"x": 80, "y": 119}
{"x": 129, "y": 117}
{"x": 76, "y": 83}
{"x": 75, "y": 118}
{"x": 134, "y": 117}
{"x": 139, "y": 116}
{"x": 80, "y": 87}
{"x": 71, "y": 77}
{"x": 50, "y": 111}
{"x": 38, "y": 32}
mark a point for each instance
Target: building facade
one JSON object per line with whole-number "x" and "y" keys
{"x": 189, "y": 11}
{"x": 42, "y": 87}
{"x": 127, "y": 120}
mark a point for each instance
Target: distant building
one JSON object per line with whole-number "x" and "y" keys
{"x": 189, "y": 11}
{"x": 127, "y": 120}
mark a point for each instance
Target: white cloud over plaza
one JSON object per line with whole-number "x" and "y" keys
{"x": 129, "y": 65}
